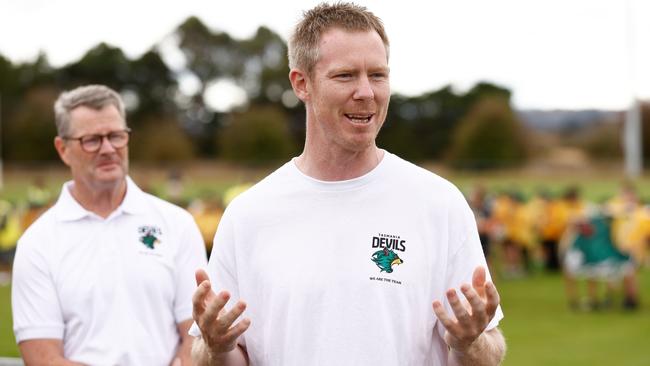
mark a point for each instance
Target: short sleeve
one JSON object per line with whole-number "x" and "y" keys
{"x": 466, "y": 257}
{"x": 35, "y": 305}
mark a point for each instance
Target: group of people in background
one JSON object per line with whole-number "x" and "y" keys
{"x": 601, "y": 243}
{"x": 605, "y": 242}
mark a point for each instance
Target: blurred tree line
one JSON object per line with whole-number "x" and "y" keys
{"x": 174, "y": 110}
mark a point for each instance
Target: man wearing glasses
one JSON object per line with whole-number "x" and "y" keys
{"x": 106, "y": 257}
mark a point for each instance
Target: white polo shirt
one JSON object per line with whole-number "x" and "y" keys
{"x": 113, "y": 289}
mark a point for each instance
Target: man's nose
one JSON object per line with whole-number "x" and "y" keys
{"x": 106, "y": 146}
{"x": 364, "y": 89}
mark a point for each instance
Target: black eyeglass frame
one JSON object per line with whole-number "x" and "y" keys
{"x": 84, "y": 140}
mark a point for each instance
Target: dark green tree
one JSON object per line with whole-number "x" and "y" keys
{"x": 258, "y": 65}
{"x": 420, "y": 127}
{"x": 489, "y": 136}
{"x": 9, "y": 78}
{"x": 265, "y": 75}
{"x": 28, "y": 133}
{"x": 484, "y": 89}
{"x": 160, "y": 140}
{"x": 147, "y": 83}
{"x": 103, "y": 64}
{"x": 258, "y": 135}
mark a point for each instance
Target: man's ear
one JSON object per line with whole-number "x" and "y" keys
{"x": 299, "y": 84}
{"x": 61, "y": 148}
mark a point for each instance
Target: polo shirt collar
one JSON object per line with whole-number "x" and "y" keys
{"x": 68, "y": 209}
{"x": 134, "y": 199}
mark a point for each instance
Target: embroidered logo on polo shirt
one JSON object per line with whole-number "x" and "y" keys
{"x": 149, "y": 235}
{"x": 386, "y": 257}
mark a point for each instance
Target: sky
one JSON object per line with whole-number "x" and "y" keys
{"x": 552, "y": 54}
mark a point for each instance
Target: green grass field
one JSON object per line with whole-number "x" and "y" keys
{"x": 7, "y": 342}
{"x": 539, "y": 328}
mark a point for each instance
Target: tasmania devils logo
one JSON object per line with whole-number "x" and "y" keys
{"x": 386, "y": 258}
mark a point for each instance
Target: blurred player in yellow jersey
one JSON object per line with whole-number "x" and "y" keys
{"x": 631, "y": 224}
{"x": 552, "y": 224}
{"x": 516, "y": 221}
{"x": 631, "y": 234}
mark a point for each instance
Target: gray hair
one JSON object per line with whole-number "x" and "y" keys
{"x": 92, "y": 96}
{"x": 303, "y": 43}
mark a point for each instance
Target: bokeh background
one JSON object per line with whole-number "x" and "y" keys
{"x": 521, "y": 99}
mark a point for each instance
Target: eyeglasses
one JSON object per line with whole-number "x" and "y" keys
{"x": 92, "y": 143}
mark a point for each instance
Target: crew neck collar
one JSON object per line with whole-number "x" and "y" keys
{"x": 342, "y": 185}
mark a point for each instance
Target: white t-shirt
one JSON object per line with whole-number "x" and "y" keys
{"x": 345, "y": 273}
{"x": 114, "y": 289}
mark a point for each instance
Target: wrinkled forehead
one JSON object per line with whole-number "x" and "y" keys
{"x": 85, "y": 119}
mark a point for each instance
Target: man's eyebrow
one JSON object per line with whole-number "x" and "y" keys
{"x": 341, "y": 70}
{"x": 385, "y": 69}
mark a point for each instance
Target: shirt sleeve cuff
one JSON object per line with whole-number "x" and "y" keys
{"x": 27, "y": 333}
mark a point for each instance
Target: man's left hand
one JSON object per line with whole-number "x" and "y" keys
{"x": 472, "y": 317}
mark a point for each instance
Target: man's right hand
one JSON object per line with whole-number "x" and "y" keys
{"x": 215, "y": 323}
